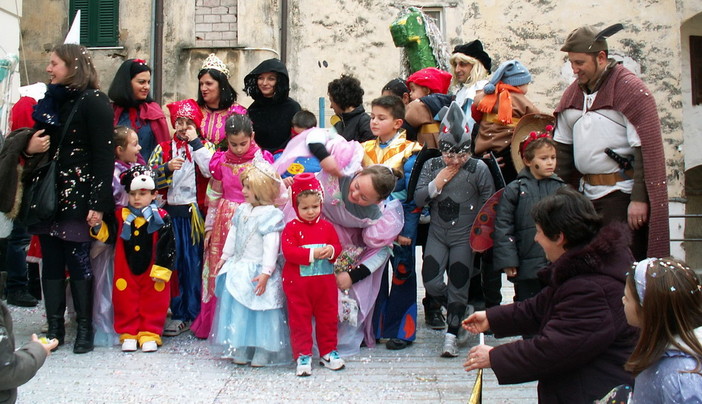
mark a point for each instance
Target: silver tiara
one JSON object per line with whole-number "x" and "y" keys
{"x": 265, "y": 167}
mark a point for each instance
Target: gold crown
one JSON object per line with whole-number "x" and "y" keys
{"x": 213, "y": 62}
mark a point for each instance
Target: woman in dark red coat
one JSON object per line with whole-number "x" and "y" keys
{"x": 581, "y": 337}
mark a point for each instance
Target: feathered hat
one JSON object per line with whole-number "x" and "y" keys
{"x": 587, "y": 39}
{"x": 454, "y": 133}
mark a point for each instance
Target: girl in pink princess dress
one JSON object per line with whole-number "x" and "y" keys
{"x": 224, "y": 195}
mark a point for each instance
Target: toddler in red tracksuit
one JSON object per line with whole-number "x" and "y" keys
{"x": 310, "y": 244}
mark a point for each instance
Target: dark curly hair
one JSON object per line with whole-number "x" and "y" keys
{"x": 227, "y": 94}
{"x": 346, "y": 91}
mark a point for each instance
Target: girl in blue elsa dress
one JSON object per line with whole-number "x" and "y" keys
{"x": 250, "y": 323}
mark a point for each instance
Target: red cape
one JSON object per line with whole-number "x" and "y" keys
{"x": 624, "y": 92}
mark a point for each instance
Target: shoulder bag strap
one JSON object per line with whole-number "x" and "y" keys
{"x": 68, "y": 123}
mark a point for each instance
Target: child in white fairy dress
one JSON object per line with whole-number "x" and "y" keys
{"x": 250, "y": 322}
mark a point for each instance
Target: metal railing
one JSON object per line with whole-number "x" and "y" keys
{"x": 686, "y": 216}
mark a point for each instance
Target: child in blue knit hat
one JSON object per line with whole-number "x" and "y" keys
{"x": 498, "y": 110}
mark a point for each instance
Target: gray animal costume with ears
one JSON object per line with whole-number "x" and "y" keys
{"x": 453, "y": 210}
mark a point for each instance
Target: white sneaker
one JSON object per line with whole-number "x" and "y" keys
{"x": 304, "y": 366}
{"x": 332, "y": 361}
{"x": 129, "y": 345}
{"x": 149, "y": 346}
{"x": 450, "y": 349}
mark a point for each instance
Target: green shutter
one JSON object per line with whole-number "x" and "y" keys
{"x": 99, "y": 21}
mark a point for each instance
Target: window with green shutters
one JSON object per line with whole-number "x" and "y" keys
{"x": 98, "y": 22}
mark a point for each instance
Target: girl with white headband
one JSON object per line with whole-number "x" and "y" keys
{"x": 663, "y": 298}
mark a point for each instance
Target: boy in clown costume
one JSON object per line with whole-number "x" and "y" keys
{"x": 144, "y": 256}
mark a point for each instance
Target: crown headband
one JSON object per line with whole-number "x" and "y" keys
{"x": 215, "y": 63}
{"x": 641, "y": 269}
{"x": 265, "y": 167}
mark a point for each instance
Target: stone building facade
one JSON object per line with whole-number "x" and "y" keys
{"x": 321, "y": 39}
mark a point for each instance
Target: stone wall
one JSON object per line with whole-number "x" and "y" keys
{"x": 216, "y": 23}
{"x": 326, "y": 38}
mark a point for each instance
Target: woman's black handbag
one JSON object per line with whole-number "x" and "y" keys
{"x": 40, "y": 198}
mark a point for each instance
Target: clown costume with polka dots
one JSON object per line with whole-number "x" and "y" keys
{"x": 144, "y": 256}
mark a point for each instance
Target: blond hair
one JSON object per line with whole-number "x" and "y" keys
{"x": 477, "y": 73}
{"x": 264, "y": 185}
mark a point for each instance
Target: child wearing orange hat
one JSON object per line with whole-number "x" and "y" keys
{"x": 182, "y": 165}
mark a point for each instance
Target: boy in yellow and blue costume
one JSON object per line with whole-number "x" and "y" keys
{"x": 395, "y": 315}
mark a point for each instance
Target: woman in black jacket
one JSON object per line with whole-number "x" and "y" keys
{"x": 77, "y": 122}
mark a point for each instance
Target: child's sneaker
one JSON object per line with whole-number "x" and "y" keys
{"x": 149, "y": 346}
{"x": 175, "y": 328}
{"x": 129, "y": 345}
{"x": 450, "y": 349}
{"x": 304, "y": 366}
{"x": 332, "y": 360}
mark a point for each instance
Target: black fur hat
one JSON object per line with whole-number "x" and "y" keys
{"x": 475, "y": 50}
{"x": 138, "y": 177}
